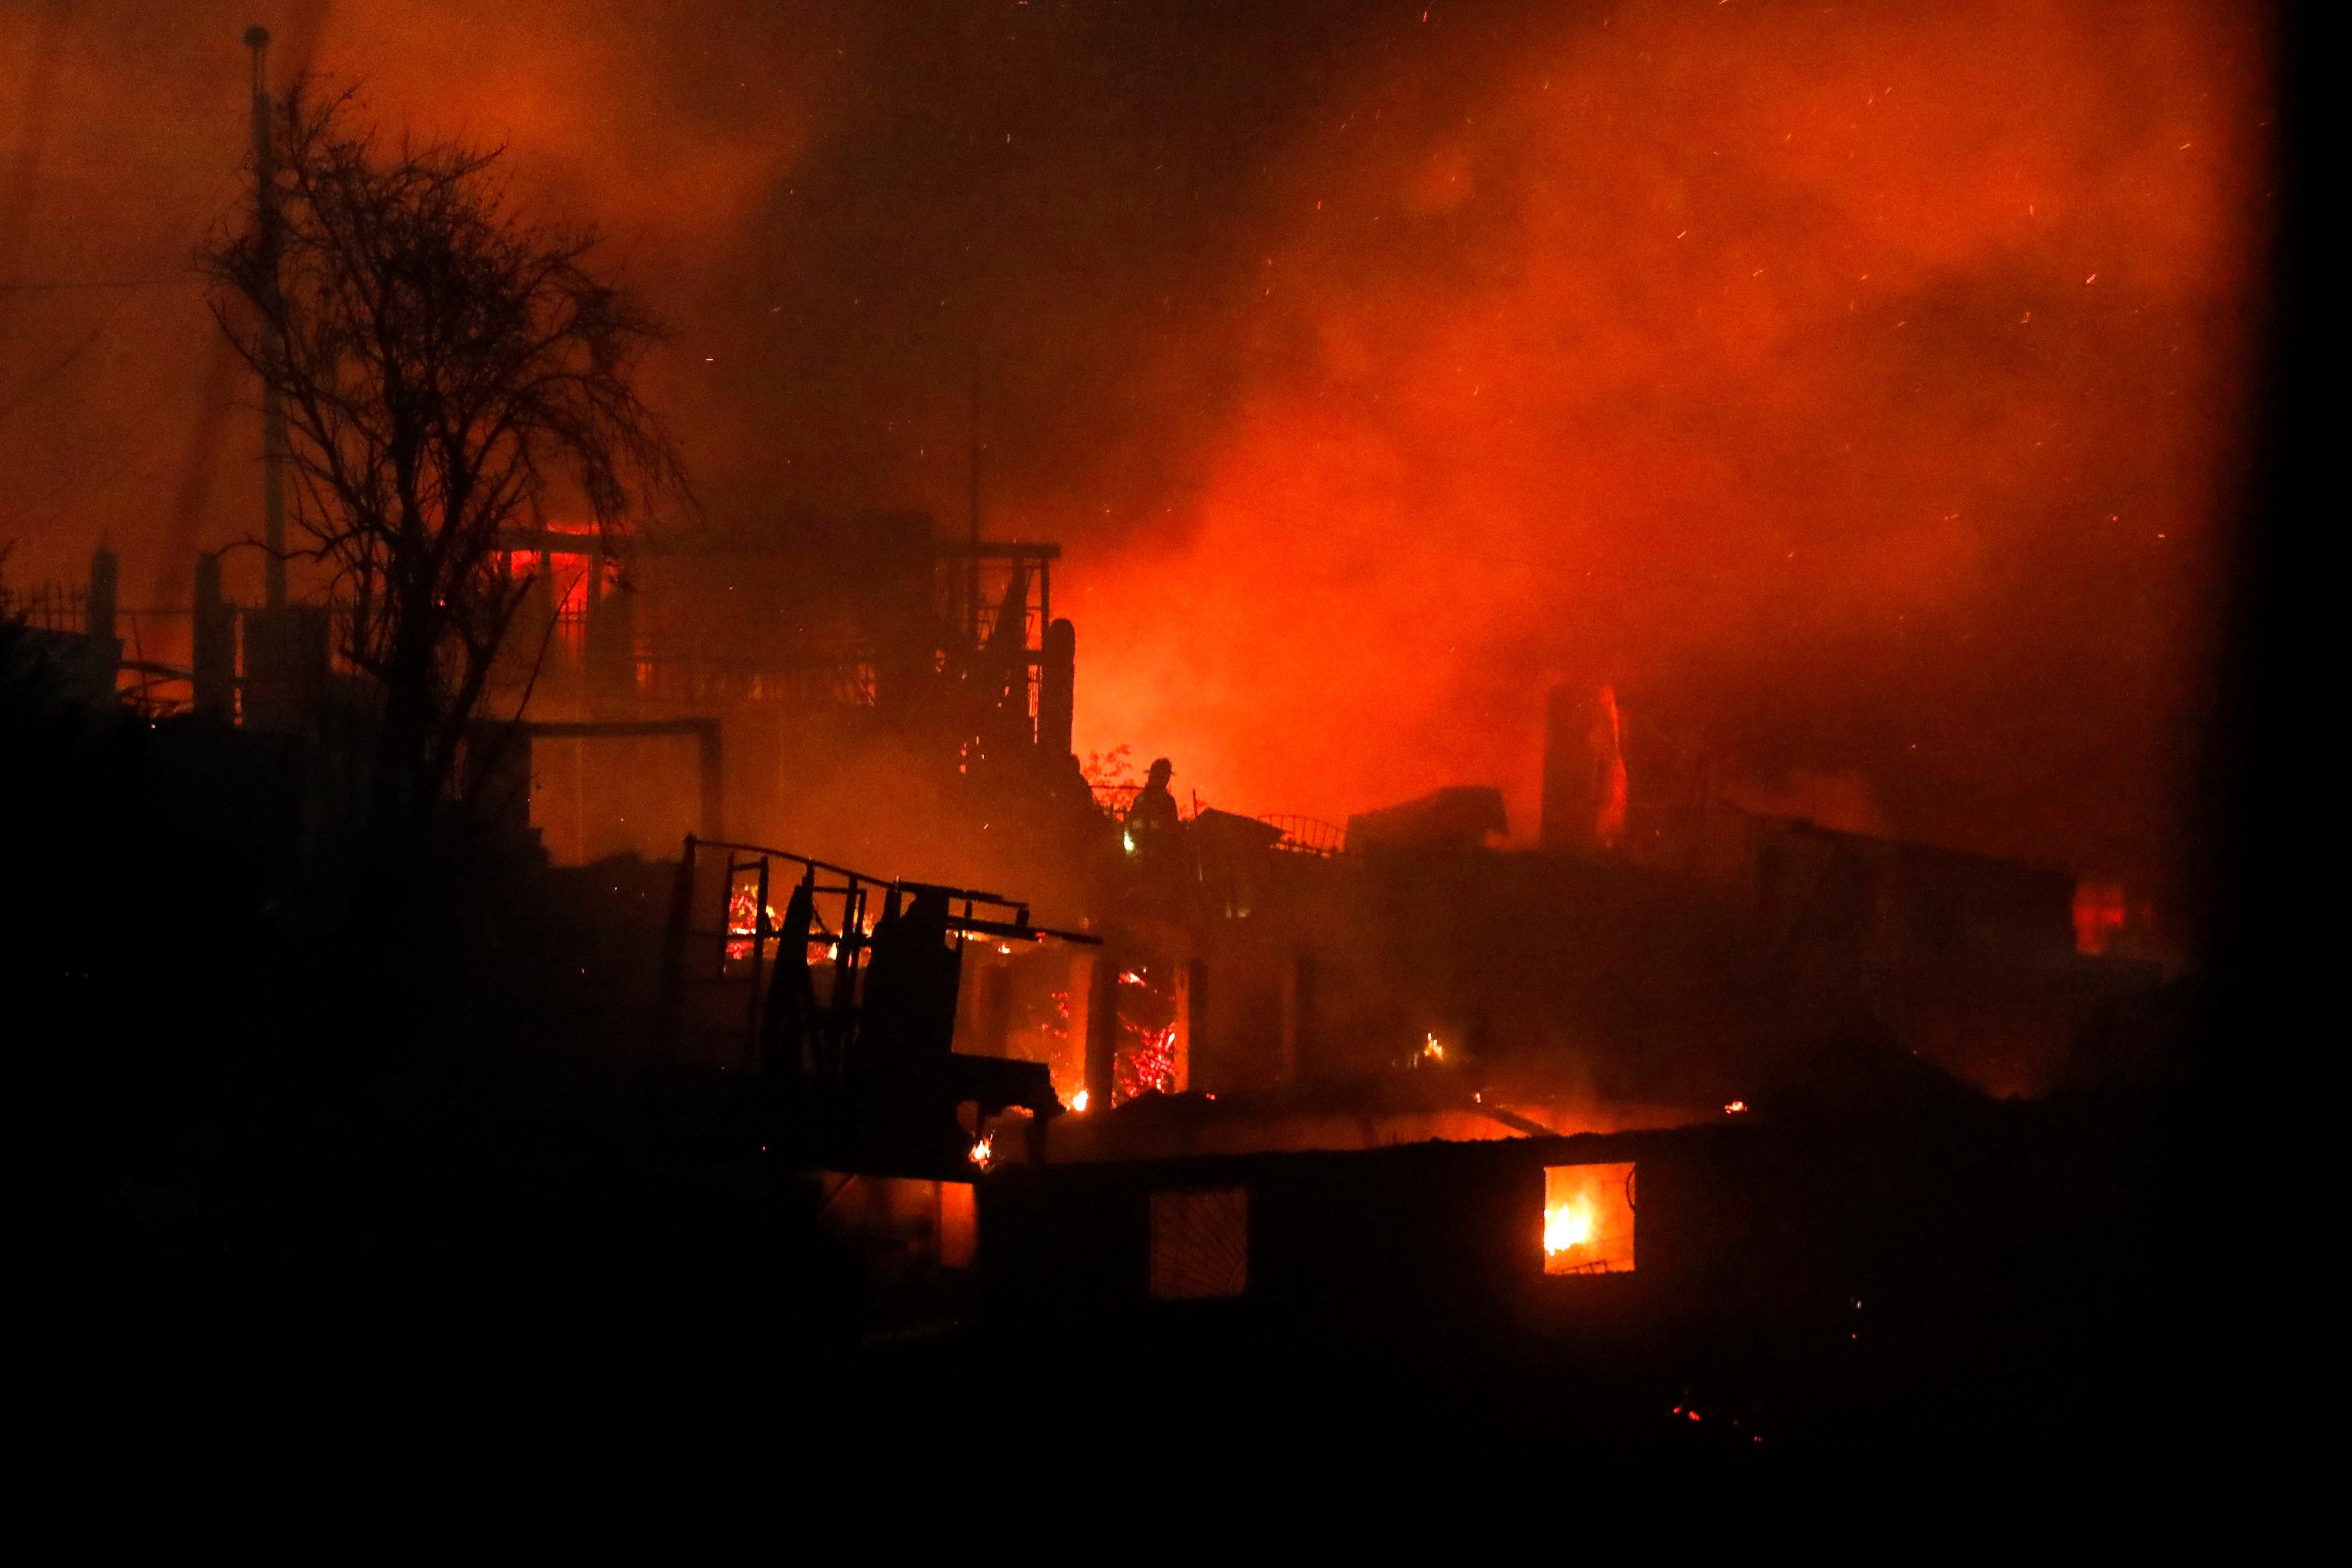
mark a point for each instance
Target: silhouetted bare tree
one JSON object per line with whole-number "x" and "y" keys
{"x": 447, "y": 371}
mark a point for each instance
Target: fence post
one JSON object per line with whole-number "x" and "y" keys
{"x": 681, "y": 909}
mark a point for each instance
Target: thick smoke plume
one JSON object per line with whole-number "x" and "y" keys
{"x": 1853, "y": 389}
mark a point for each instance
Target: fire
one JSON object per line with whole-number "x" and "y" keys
{"x": 1734, "y": 1107}
{"x": 985, "y": 1151}
{"x": 1432, "y": 1050}
{"x": 742, "y": 919}
{"x": 1078, "y": 1102}
{"x": 1525, "y": 434}
{"x": 1589, "y": 1219}
{"x": 1566, "y": 1226}
{"x": 1147, "y": 1064}
{"x": 2101, "y": 914}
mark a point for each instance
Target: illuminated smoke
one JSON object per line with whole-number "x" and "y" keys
{"x": 1851, "y": 390}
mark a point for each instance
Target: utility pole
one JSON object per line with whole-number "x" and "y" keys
{"x": 273, "y": 415}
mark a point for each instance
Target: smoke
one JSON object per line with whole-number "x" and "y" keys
{"x": 145, "y": 436}
{"x": 1852, "y": 388}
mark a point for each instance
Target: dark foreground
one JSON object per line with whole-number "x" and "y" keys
{"x": 1935, "y": 1287}
{"x": 317, "y": 1171}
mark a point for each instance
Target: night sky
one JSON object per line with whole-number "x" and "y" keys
{"x": 1855, "y": 387}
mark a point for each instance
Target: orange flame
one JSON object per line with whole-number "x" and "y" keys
{"x": 1589, "y": 1219}
{"x": 1566, "y": 1226}
{"x": 743, "y": 919}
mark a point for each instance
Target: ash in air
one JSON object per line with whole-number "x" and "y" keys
{"x": 1505, "y": 693}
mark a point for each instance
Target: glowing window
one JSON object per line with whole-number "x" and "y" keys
{"x": 1588, "y": 1219}
{"x": 1200, "y": 1244}
{"x": 959, "y": 1225}
{"x": 939, "y": 1220}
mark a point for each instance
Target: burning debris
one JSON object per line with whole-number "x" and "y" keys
{"x": 1212, "y": 1079}
{"x": 843, "y": 1008}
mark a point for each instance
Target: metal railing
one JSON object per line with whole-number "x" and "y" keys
{"x": 1307, "y": 836}
{"x": 52, "y": 606}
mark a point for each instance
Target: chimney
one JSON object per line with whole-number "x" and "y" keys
{"x": 1102, "y": 1028}
{"x": 1296, "y": 1061}
{"x": 1057, "y": 689}
{"x": 103, "y": 575}
{"x": 1584, "y": 783}
{"x": 102, "y": 650}
{"x": 214, "y": 667}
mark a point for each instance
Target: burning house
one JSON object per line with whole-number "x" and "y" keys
{"x": 842, "y": 656}
{"x": 551, "y": 860}
{"x": 866, "y": 688}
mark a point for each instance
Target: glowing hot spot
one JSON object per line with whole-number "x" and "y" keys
{"x": 1566, "y": 1227}
{"x": 1588, "y": 1219}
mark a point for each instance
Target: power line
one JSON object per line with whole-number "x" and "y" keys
{"x": 48, "y": 285}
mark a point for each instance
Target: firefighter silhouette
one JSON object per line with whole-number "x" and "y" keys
{"x": 1151, "y": 820}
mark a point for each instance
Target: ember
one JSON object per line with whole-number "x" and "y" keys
{"x": 1731, "y": 506}
{"x": 1149, "y": 1065}
{"x": 1148, "y": 1056}
{"x": 743, "y": 919}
